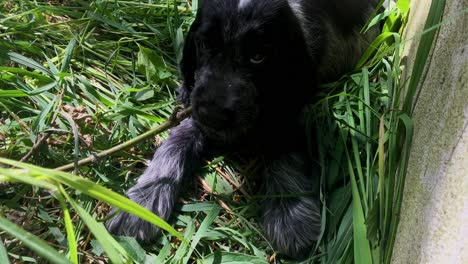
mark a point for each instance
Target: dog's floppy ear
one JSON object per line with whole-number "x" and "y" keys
{"x": 188, "y": 64}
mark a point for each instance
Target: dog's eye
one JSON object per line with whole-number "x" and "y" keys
{"x": 257, "y": 58}
{"x": 202, "y": 44}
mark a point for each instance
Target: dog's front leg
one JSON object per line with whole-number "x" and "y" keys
{"x": 290, "y": 213}
{"x": 159, "y": 186}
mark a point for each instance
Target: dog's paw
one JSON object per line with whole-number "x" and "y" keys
{"x": 125, "y": 224}
{"x": 292, "y": 225}
{"x": 158, "y": 197}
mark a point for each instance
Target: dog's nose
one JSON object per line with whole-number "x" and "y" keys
{"x": 215, "y": 116}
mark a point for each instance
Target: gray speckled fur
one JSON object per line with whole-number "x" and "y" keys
{"x": 291, "y": 216}
{"x": 159, "y": 186}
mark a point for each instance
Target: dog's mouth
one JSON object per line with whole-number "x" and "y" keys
{"x": 229, "y": 134}
{"x": 219, "y": 135}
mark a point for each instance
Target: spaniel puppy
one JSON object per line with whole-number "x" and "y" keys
{"x": 249, "y": 68}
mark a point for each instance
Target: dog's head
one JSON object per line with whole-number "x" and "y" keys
{"x": 244, "y": 60}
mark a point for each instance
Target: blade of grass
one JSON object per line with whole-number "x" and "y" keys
{"x": 33, "y": 242}
{"x": 381, "y": 184}
{"x": 40, "y": 121}
{"x": 113, "y": 249}
{"x": 72, "y": 245}
{"x": 204, "y": 226}
{"x": 184, "y": 248}
{"x": 18, "y": 58}
{"x": 356, "y": 153}
{"x": 373, "y": 47}
{"x": 3, "y": 254}
{"x": 230, "y": 258}
{"x": 408, "y": 124}
{"x": 422, "y": 54}
{"x": 68, "y": 55}
{"x": 98, "y": 192}
{"x": 368, "y": 132}
{"x": 362, "y": 251}
{"x": 24, "y": 72}
{"x": 12, "y": 93}
{"x": 397, "y": 172}
{"x": 76, "y": 139}
{"x": 342, "y": 239}
{"x": 20, "y": 175}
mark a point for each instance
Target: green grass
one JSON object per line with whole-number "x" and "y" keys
{"x": 79, "y": 77}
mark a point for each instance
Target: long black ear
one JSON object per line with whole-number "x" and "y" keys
{"x": 188, "y": 65}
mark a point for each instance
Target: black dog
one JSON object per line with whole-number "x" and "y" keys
{"x": 249, "y": 68}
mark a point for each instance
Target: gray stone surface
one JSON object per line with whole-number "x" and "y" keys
{"x": 434, "y": 218}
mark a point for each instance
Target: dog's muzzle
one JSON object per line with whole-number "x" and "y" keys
{"x": 224, "y": 107}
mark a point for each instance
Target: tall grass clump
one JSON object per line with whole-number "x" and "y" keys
{"x": 364, "y": 161}
{"x": 80, "y": 77}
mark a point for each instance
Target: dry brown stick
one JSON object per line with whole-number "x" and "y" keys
{"x": 230, "y": 180}
{"x": 176, "y": 118}
{"x": 207, "y": 188}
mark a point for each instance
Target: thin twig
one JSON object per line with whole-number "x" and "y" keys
{"x": 207, "y": 188}
{"x": 176, "y": 118}
{"x": 230, "y": 180}
{"x": 18, "y": 119}
{"x": 42, "y": 139}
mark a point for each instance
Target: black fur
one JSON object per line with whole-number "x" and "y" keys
{"x": 248, "y": 72}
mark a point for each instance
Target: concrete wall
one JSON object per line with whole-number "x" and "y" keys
{"x": 434, "y": 219}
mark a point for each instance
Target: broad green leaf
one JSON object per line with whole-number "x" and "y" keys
{"x": 144, "y": 94}
{"x": 151, "y": 65}
{"x": 403, "y": 6}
